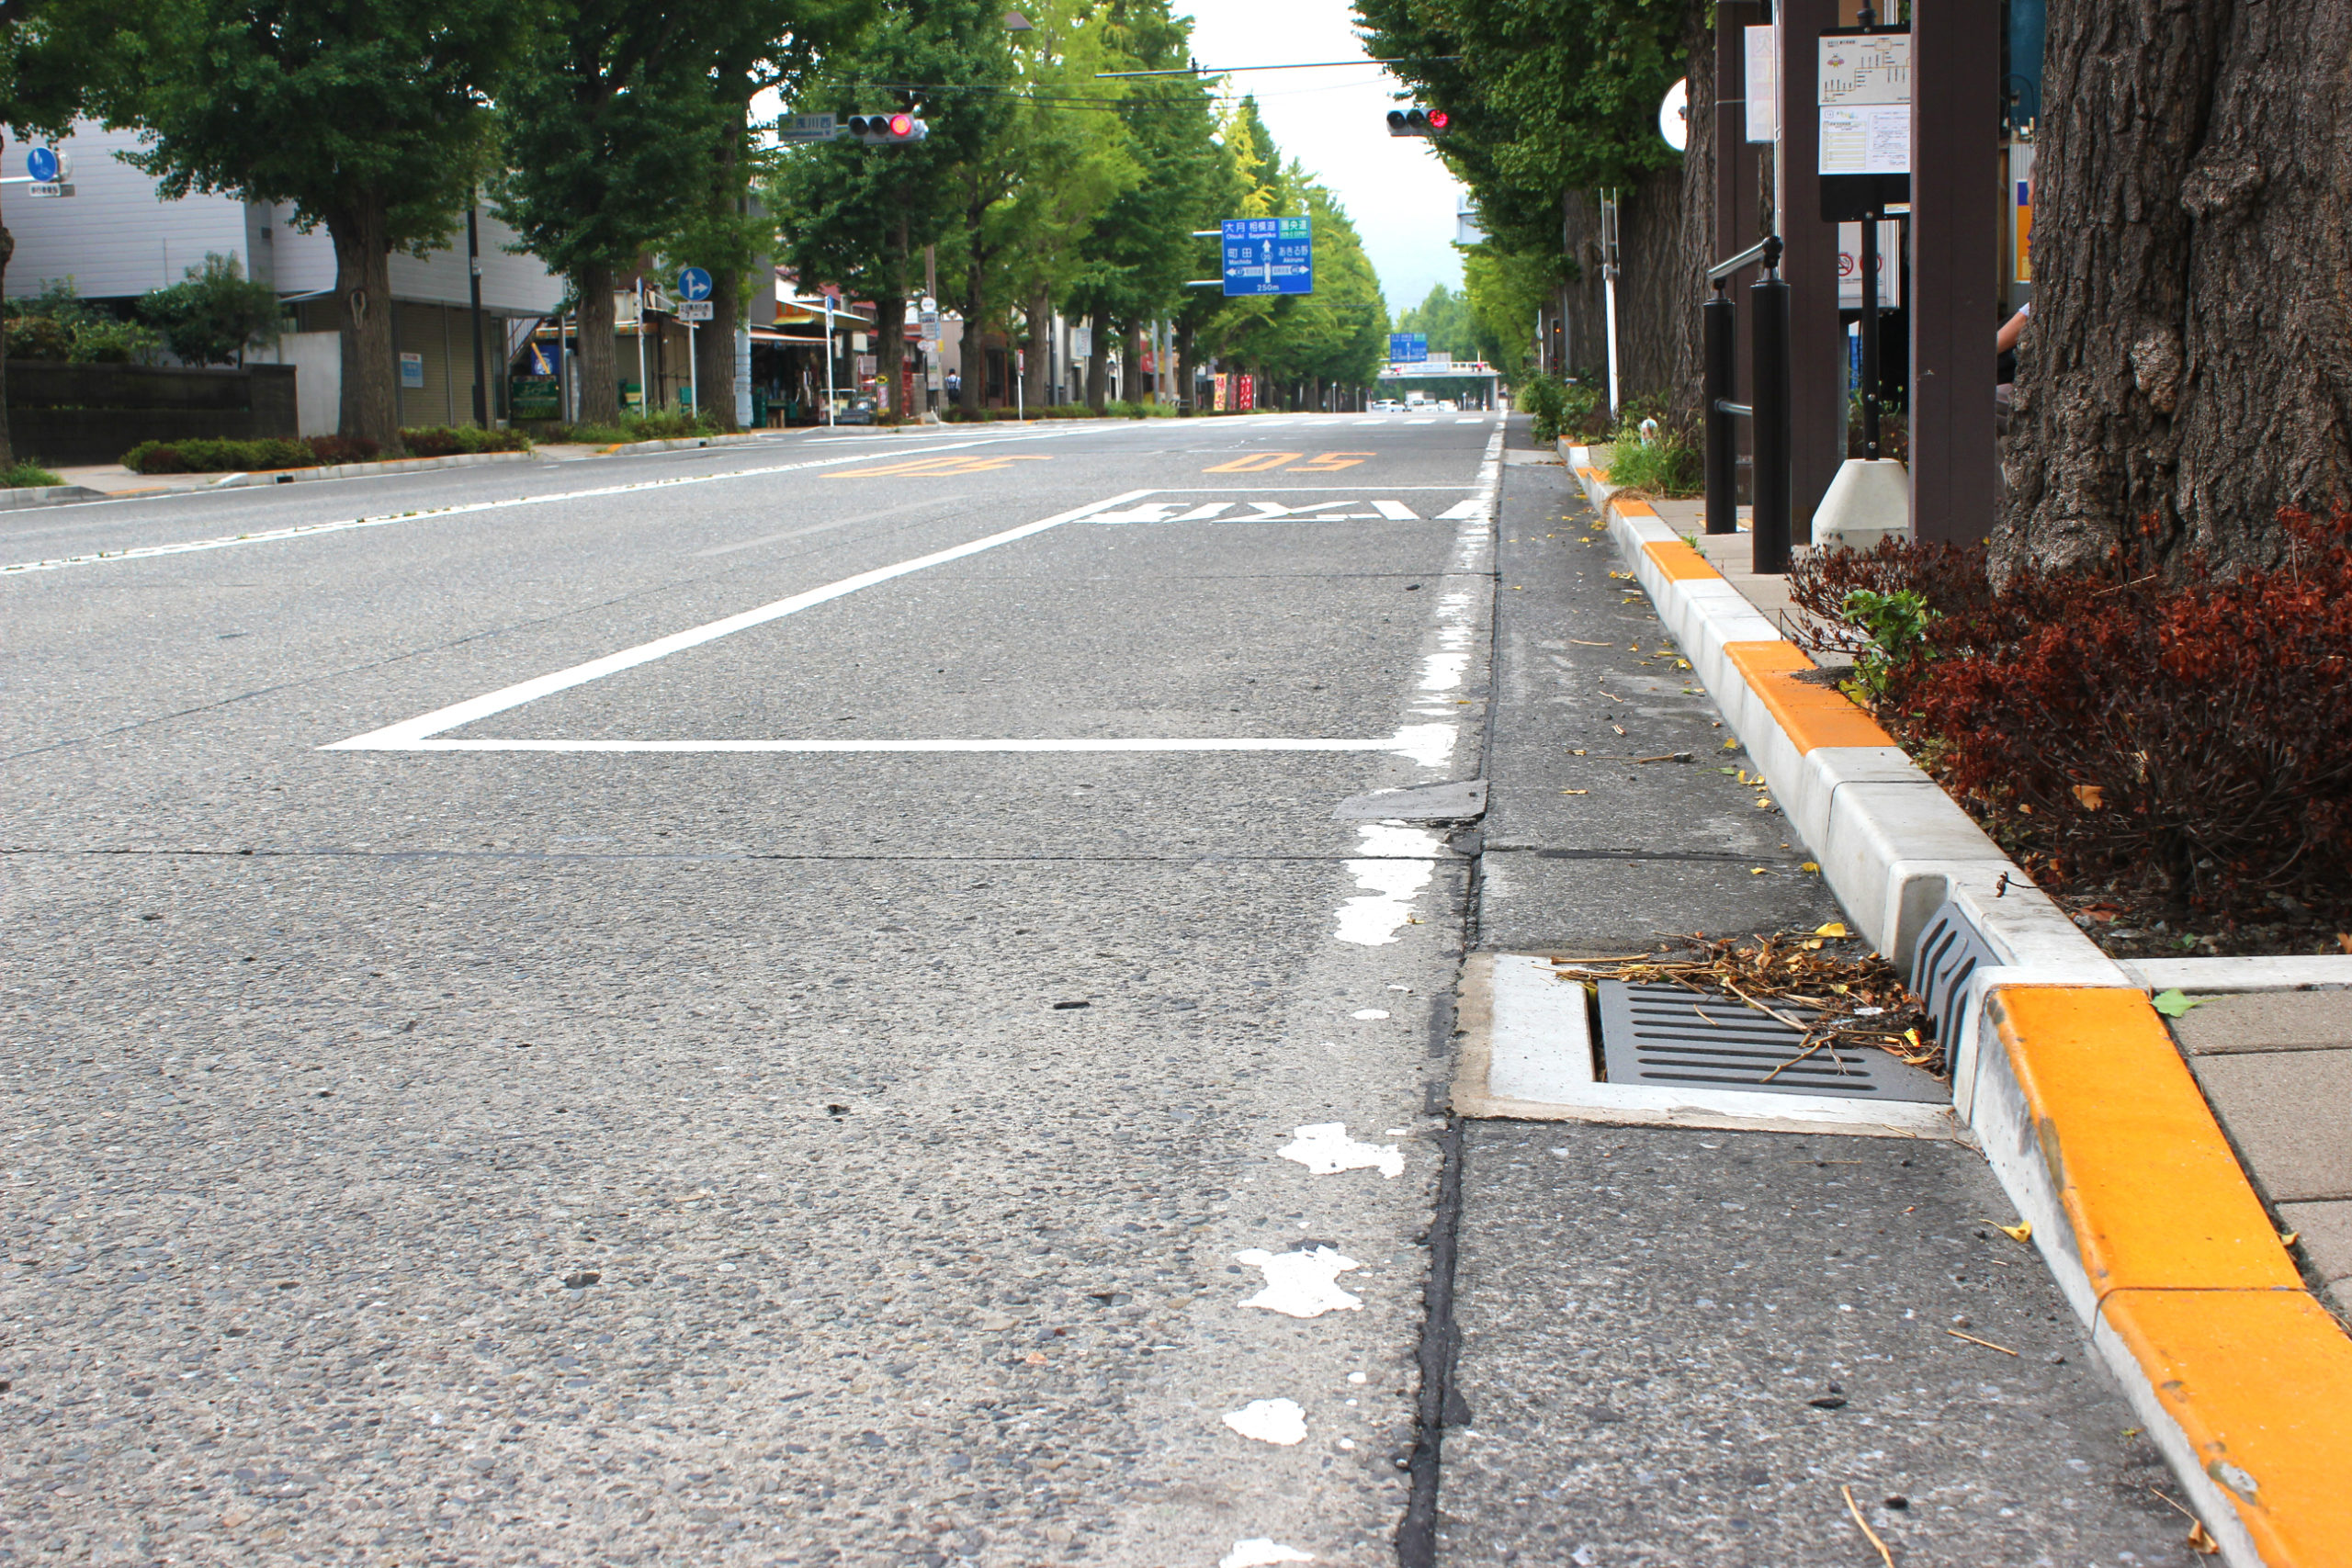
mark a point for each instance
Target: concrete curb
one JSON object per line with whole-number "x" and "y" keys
{"x": 47, "y": 495}
{"x": 359, "y": 471}
{"x": 679, "y": 444}
{"x": 2092, "y": 1121}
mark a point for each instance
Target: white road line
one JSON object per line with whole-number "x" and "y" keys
{"x": 407, "y": 733}
{"x": 1421, "y": 421}
{"x": 1363, "y": 422}
{"x": 1480, "y": 420}
{"x": 427, "y": 515}
{"x": 1409, "y": 742}
{"x": 1395, "y": 512}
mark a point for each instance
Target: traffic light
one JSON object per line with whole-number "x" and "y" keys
{"x": 888, "y": 130}
{"x": 1418, "y": 122}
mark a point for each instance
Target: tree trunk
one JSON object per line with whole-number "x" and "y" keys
{"x": 715, "y": 348}
{"x": 600, "y": 388}
{"x": 1040, "y": 334}
{"x": 7, "y": 442}
{"x": 1685, "y": 387}
{"x": 2189, "y": 367}
{"x": 363, "y": 296}
{"x": 890, "y": 348}
{"x": 1187, "y": 367}
{"x": 1097, "y": 364}
{"x": 1654, "y": 288}
{"x": 1584, "y": 338}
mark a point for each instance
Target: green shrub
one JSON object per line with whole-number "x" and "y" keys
{"x": 26, "y": 476}
{"x": 333, "y": 451}
{"x": 453, "y": 440}
{"x": 209, "y": 457}
{"x": 632, "y": 427}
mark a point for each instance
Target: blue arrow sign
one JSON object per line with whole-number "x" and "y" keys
{"x": 42, "y": 165}
{"x": 1408, "y": 348}
{"x": 1269, "y": 255}
{"x": 693, "y": 283}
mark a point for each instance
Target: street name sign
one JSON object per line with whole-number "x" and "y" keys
{"x": 1269, "y": 255}
{"x": 694, "y": 309}
{"x": 1408, "y": 349}
{"x": 798, "y": 128}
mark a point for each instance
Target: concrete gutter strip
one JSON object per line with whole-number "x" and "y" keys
{"x": 630, "y": 448}
{"x": 357, "y": 470}
{"x": 47, "y": 495}
{"x": 2090, "y": 1116}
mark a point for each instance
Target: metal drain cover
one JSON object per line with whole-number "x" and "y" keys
{"x": 1666, "y": 1035}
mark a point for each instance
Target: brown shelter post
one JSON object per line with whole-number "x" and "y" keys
{"x": 1817, "y": 342}
{"x": 1739, "y": 195}
{"x": 1955, "y": 259}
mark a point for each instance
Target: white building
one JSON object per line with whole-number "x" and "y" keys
{"x": 116, "y": 239}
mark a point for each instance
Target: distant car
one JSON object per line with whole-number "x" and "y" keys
{"x": 860, "y": 410}
{"x": 1445, "y": 405}
{"x": 1385, "y": 405}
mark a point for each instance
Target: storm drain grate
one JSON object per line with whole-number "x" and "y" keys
{"x": 1673, "y": 1038}
{"x": 1949, "y": 951}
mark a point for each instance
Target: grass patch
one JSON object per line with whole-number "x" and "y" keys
{"x": 27, "y": 476}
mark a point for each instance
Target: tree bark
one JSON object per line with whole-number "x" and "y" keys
{"x": 1694, "y": 245}
{"x": 1584, "y": 352}
{"x": 1040, "y": 325}
{"x": 600, "y": 391}
{"x": 7, "y": 442}
{"x": 363, "y": 294}
{"x": 1097, "y": 364}
{"x": 890, "y": 348}
{"x": 715, "y": 348}
{"x": 2189, "y": 367}
{"x": 1187, "y": 368}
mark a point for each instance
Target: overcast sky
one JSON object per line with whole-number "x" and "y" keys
{"x": 1335, "y": 122}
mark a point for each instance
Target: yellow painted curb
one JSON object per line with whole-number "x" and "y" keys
{"x": 2137, "y": 1162}
{"x": 1812, "y": 716}
{"x": 2261, "y": 1384}
{"x": 1679, "y": 562}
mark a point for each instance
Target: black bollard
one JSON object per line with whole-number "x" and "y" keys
{"x": 1719, "y": 322}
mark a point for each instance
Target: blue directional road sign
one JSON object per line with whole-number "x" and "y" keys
{"x": 42, "y": 165}
{"x": 1269, "y": 255}
{"x": 1408, "y": 348}
{"x": 693, "y": 283}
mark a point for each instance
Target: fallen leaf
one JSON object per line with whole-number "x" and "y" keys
{"x": 2021, "y": 1232}
{"x": 2174, "y": 1003}
{"x": 1618, "y": 728}
{"x": 2289, "y": 1238}
{"x": 1731, "y": 745}
{"x": 2200, "y": 1542}
{"x": 2090, "y": 797}
{"x": 1755, "y": 871}
{"x": 1835, "y": 928}
{"x": 1810, "y": 865}
{"x": 1576, "y": 791}
{"x": 1763, "y": 803}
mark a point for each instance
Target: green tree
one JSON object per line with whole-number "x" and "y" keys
{"x": 370, "y": 117}
{"x": 1505, "y": 289}
{"x": 859, "y": 216}
{"x": 58, "y": 58}
{"x": 1553, "y": 101}
{"x": 210, "y": 315}
{"x": 1446, "y": 318}
{"x": 608, "y": 124}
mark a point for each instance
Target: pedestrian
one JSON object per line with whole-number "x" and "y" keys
{"x": 954, "y": 385}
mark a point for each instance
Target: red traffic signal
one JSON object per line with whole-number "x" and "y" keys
{"x": 1418, "y": 122}
{"x": 887, "y": 129}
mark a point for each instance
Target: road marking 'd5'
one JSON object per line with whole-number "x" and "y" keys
{"x": 1261, "y": 462}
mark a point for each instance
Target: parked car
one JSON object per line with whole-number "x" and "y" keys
{"x": 859, "y": 410}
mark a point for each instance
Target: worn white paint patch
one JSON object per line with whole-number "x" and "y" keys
{"x": 1367, "y": 1013}
{"x": 1325, "y": 1148}
{"x": 1390, "y": 884}
{"x": 1301, "y": 1284}
{"x": 1259, "y": 1553}
{"x": 1442, "y": 671}
{"x": 1430, "y": 745}
{"x": 1270, "y": 1421}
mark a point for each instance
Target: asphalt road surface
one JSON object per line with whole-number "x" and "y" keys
{"x": 803, "y": 1002}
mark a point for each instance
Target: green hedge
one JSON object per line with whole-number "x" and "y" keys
{"x": 202, "y": 457}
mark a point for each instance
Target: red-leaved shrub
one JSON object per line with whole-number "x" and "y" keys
{"x": 2166, "y": 727}
{"x": 332, "y": 450}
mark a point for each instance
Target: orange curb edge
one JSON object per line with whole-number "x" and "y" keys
{"x": 1813, "y": 717}
{"x": 1681, "y": 563}
{"x": 2259, "y": 1381}
{"x": 2191, "y": 1277}
{"x": 2136, "y": 1160}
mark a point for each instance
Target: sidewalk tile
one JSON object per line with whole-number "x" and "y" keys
{"x": 2285, "y": 1109}
{"x": 2266, "y": 1020}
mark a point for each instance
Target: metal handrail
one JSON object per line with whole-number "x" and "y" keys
{"x": 1766, "y": 250}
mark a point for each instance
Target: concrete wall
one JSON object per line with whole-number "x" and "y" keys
{"x": 94, "y": 413}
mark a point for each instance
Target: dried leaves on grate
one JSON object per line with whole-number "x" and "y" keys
{"x": 1819, "y": 982}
